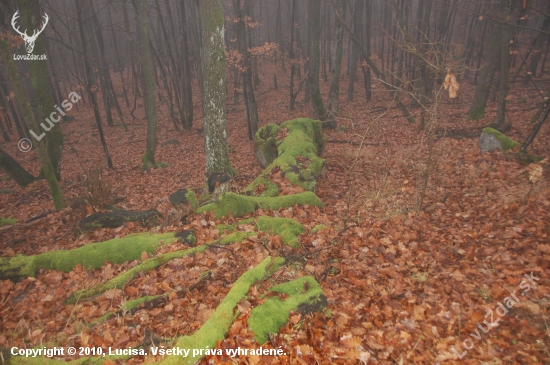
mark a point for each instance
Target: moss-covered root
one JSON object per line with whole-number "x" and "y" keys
{"x": 296, "y": 155}
{"x": 150, "y": 264}
{"x": 239, "y": 205}
{"x": 219, "y": 322}
{"x": 287, "y": 228}
{"x": 90, "y": 256}
{"x": 42, "y": 360}
{"x": 305, "y": 295}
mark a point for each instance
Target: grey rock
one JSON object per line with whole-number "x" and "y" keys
{"x": 488, "y": 142}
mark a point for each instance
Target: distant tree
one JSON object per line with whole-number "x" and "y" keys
{"x": 483, "y": 88}
{"x": 213, "y": 74}
{"x": 505, "y": 34}
{"x": 314, "y": 29}
{"x": 251, "y": 108}
{"x": 83, "y": 7}
{"x": 149, "y": 85}
{"x": 336, "y": 63}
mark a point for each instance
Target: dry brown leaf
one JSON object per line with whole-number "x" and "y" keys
{"x": 452, "y": 85}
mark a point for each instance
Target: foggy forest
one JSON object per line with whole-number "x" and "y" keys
{"x": 274, "y": 182}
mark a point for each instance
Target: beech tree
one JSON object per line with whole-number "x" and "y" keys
{"x": 213, "y": 74}
{"x": 314, "y": 29}
{"x": 149, "y": 86}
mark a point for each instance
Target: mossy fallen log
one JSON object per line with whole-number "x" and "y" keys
{"x": 216, "y": 327}
{"x": 117, "y": 217}
{"x": 239, "y": 205}
{"x": 304, "y": 296}
{"x": 90, "y": 256}
{"x": 150, "y": 264}
{"x": 297, "y": 154}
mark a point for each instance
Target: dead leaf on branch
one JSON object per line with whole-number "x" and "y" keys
{"x": 452, "y": 85}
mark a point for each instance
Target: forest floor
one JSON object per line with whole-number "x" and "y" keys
{"x": 422, "y": 240}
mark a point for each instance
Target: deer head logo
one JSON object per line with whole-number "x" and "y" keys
{"x": 29, "y": 40}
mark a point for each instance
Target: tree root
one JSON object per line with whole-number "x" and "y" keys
{"x": 150, "y": 264}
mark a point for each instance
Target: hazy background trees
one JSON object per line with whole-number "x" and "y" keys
{"x": 138, "y": 55}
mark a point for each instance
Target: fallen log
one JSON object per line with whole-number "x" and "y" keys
{"x": 148, "y": 265}
{"x": 294, "y": 147}
{"x": 91, "y": 256}
{"x": 117, "y": 217}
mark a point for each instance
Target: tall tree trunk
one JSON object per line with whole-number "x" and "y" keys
{"x": 32, "y": 17}
{"x": 187, "y": 102}
{"x": 213, "y": 74}
{"x": 22, "y": 177}
{"x": 248, "y": 90}
{"x": 149, "y": 86}
{"x": 314, "y": 28}
{"x": 506, "y": 12}
{"x": 477, "y": 109}
{"x": 336, "y": 63}
{"x": 354, "y": 55}
{"x": 537, "y": 51}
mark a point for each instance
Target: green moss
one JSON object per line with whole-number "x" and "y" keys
{"x": 305, "y": 295}
{"x": 272, "y": 188}
{"x": 305, "y": 142}
{"x": 192, "y": 199}
{"x": 216, "y": 327}
{"x": 287, "y": 228}
{"x": 231, "y": 227}
{"x": 91, "y": 256}
{"x": 505, "y": 142}
{"x": 476, "y": 114}
{"x": 240, "y": 205}
{"x": 317, "y": 228}
{"x": 7, "y": 221}
{"x": 147, "y": 265}
{"x": 148, "y": 160}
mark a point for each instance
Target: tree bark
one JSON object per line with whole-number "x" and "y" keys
{"x": 336, "y": 63}
{"x": 354, "y": 52}
{"x": 314, "y": 27}
{"x": 213, "y": 74}
{"x": 506, "y": 11}
{"x": 149, "y": 85}
{"x": 251, "y": 107}
{"x": 477, "y": 109}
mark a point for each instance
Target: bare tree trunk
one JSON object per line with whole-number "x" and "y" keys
{"x": 314, "y": 26}
{"x": 354, "y": 56}
{"x": 149, "y": 85}
{"x": 248, "y": 88}
{"x": 506, "y": 11}
{"x": 336, "y": 63}
{"x": 213, "y": 71}
{"x": 477, "y": 109}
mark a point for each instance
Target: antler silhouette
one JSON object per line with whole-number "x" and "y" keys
{"x": 29, "y": 40}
